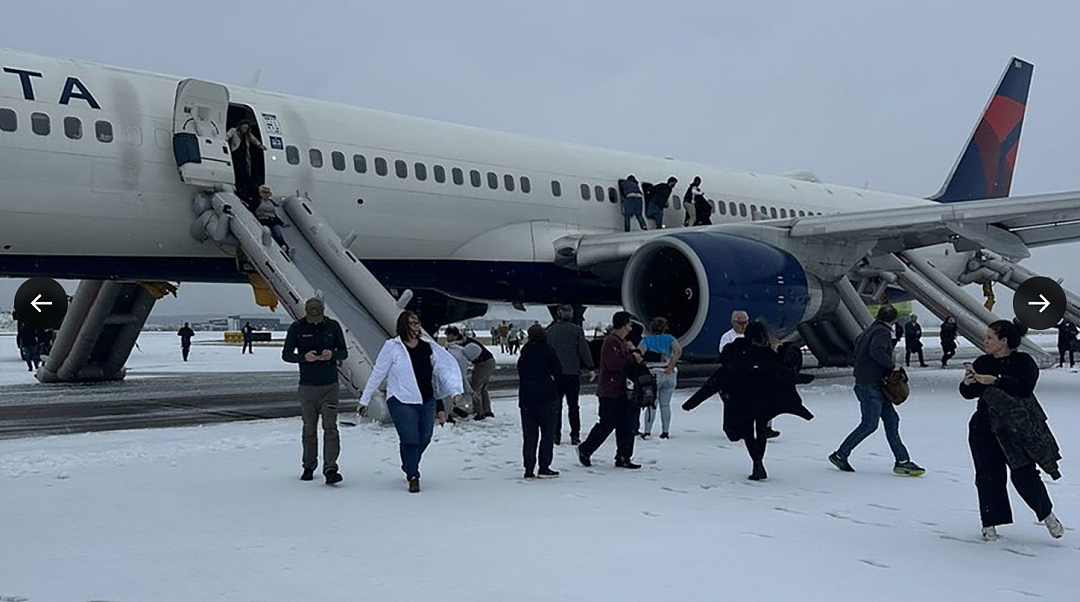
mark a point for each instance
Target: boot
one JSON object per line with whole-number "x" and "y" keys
{"x": 333, "y": 477}
{"x": 584, "y": 459}
{"x": 414, "y": 484}
{"x": 309, "y": 474}
{"x": 1054, "y": 526}
{"x": 758, "y": 473}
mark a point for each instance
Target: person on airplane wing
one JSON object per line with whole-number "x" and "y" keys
{"x": 632, "y": 201}
{"x": 659, "y": 199}
{"x": 702, "y": 209}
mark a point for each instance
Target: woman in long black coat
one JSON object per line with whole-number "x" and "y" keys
{"x": 756, "y": 387}
{"x": 538, "y": 398}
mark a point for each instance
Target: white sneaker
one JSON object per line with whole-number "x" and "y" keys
{"x": 1054, "y": 526}
{"x": 989, "y": 534}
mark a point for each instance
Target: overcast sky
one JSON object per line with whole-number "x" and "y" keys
{"x": 872, "y": 94}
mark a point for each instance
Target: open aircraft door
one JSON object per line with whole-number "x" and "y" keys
{"x": 199, "y": 134}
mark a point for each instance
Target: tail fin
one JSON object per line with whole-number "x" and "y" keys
{"x": 985, "y": 170}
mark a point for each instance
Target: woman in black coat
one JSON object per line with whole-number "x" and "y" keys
{"x": 756, "y": 387}
{"x": 538, "y": 398}
{"x": 1008, "y": 431}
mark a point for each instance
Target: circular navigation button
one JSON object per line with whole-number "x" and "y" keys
{"x": 1039, "y": 303}
{"x": 41, "y": 303}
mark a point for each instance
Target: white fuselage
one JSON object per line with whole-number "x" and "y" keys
{"x": 84, "y": 197}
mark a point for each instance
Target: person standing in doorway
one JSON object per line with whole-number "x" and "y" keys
{"x": 185, "y": 334}
{"x": 317, "y": 343}
{"x": 419, "y": 375}
{"x": 873, "y": 361}
{"x": 1008, "y": 432}
{"x": 247, "y": 332}
{"x": 913, "y": 340}
{"x": 948, "y": 340}
{"x": 241, "y": 140}
{"x": 617, "y": 413}
{"x": 538, "y": 372}
{"x": 568, "y": 340}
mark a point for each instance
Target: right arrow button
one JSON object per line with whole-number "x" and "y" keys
{"x": 1039, "y": 303}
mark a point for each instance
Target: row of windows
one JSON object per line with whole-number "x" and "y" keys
{"x": 509, "y": 183}
{"x": 419, "y": 170}
{"x": 41, "y": 124}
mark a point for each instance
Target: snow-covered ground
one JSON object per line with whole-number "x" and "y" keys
{"x": 217, "y": 513}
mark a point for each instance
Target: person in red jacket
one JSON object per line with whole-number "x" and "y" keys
{"x": 617, "y": 413}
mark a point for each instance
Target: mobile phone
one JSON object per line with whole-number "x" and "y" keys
{"x": 967, "y": 366}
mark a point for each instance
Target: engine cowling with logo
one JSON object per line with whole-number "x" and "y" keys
{"x": 696, "y": 279}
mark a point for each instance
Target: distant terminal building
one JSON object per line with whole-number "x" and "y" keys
{"x": 257, "y": 322}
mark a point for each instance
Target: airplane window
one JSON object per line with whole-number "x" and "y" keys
{"x": 742, "y": 209}
{"x": 380, "y": 166}
{"x": 134, "y": 135}
{"x": 802, "y": 213}
{"x": 783, "y": 212}
{"x": 39, "y": 122}
{"x": 493, "y": 181}
{"x": 103, "y": 131}
{"x": 600, "y": 193}
{"x": 73, "y": 127}
{"x": 772, "y": 212}
{"x": 9, "y": 121}
{"x": 556, "y": 188}
{"x": 440, "y": 173}
{"x": 359, "y": 163}
{"x": 337, "y": 159}
{"x": 508, "y": 182}
{"x": 421, "y": 171}
{"x": 315, "y": 157}
{"x": 292, "y": 154}
{"x": 721, "y": 208}
{"x": 401, "y": 169}
{"x": 733, "y": 208}
{"x": 676, "y": 202}
{"x": 585, "y": 194}
{"x": 526, "y": 185}
{"x": 612, "y": 195}
{"x": 474, "y": 178}
{"x": 458, "y": 175}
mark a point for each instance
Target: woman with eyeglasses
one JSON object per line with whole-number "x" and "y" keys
{"x": 419, "y": 375}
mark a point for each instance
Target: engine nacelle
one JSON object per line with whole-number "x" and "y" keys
{"x": 696, "y": 279}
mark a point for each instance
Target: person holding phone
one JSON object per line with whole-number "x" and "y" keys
{"x": 317, "y": 343}
{"x": 1007, "y": 370}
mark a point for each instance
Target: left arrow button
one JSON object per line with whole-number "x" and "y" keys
{"x": 41, "y": 303}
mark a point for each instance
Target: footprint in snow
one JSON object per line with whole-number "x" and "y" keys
{"x": 673, "y": 490}
{"x": 1021, "y": 592}
{"x": 874, "y": 564}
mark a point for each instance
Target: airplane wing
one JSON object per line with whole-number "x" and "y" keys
{"x": 1008, "y": 226}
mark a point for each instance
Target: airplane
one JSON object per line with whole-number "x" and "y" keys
{"x": 91, "y": 187}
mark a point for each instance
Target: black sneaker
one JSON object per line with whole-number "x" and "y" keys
{"x": 309, "y": 475}
{"x": 529, "y": 475}
{"x": 333, "y": 477}
{"x": 908, "y": 469}
{"x": 665, "y": 436}
{"x": 479, "y": 416}
{"x": 585, "y": 460}
{"x": 645, "y": 436}
{"x": 548, "y": 473}
{"x": 759, "y": 473}
{"x": 840, "y": 463}
{"x": 771, "y": 433}
{"x": 621, "y": 463}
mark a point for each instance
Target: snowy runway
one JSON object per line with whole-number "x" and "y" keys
{"x": 217, "y": 513}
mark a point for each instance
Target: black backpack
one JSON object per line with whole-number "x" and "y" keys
{"x": 641, "y": 383}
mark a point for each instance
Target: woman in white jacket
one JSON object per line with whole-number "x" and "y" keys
{"x": 419, "y": 375}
